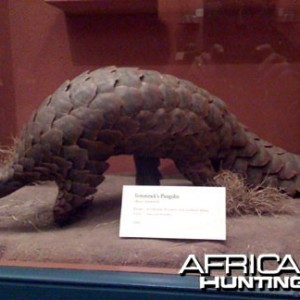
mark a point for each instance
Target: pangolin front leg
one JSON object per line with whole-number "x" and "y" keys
{"x": 75, "y": 189}
{"x": 71, "y": 199}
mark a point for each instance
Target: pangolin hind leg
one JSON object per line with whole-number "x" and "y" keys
{"x": 147, "y": 172}
{"x": 200, "y": 173}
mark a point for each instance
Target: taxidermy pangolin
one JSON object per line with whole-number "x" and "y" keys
{"x": 113, "y": 111}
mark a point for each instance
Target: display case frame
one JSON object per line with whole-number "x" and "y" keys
{"x": 178, "y": 36}
{"x": 19, "y": 282}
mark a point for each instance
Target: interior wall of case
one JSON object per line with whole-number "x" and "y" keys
{"x": 7, "y": 99}
{"x": 247, "y": 54}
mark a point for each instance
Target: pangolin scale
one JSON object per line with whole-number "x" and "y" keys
{"x": 113, "y": 111}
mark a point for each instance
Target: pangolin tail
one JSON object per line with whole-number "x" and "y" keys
{"x": 264, "y": 164}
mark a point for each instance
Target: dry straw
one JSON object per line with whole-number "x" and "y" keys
{"x": 244, "y": 200}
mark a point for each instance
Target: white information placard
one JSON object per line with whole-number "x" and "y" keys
{"x": 175, "y": 212}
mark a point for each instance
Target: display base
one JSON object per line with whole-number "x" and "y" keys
{"x": 28, "y": 232}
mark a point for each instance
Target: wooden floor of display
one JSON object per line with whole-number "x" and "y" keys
{"x": 27, "y": 233}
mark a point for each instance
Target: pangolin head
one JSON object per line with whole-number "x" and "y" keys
{"x": 8, "y": 184}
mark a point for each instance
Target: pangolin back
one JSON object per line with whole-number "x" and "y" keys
{"x": 113, "y": 111}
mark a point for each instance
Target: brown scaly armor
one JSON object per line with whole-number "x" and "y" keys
{"x": 113, "y": 111}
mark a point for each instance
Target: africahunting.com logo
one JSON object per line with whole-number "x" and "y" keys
{"x": 263, "y": 272}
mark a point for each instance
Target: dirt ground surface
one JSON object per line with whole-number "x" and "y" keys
{"x": 27, "y": 232}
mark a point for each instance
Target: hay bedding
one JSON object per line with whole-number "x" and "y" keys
{"x": 260, "y": 221}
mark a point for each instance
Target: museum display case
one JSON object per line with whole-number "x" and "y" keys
{"x": 161, "y": 93}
